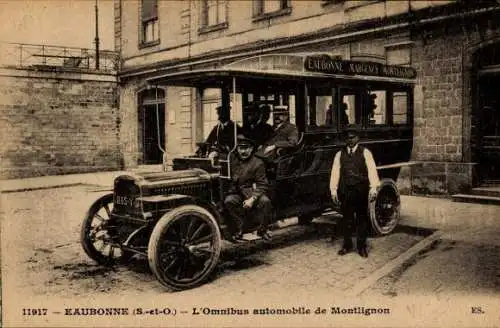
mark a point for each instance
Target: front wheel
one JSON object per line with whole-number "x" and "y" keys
{"x": 184, "y": 247}
{"x": 385, "y": 209}
{"x": 97, "y": 234}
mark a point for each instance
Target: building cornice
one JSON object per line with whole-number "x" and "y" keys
{"x": 338, "y": 33}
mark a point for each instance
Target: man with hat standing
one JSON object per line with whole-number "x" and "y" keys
{"x": 247, "y": 194}
{"x": 354, "y": 180}
{"x": 222, "y": 136}
{"x": 285, "y": 133}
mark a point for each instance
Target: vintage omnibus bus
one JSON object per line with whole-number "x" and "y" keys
{"x": 177, "y": 218}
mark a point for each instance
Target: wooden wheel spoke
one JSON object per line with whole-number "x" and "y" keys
{"x": 197, "y": 264}
{"x": 96, "y": 215}
{"x": 171, "y": 243}
{"x": 197, "y": 233}
{"x": 165, "y": 256}
{"x": 170, "y": 264}
{"x": 106, "y": 207}
{"x": 189, "y": 231}
{"x": 180, "y": 269}
{"x": 203, "y": 239}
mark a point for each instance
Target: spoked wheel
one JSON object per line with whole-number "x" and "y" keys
{"x": 97, "y": 233}
{"x": 184, "y": 247}
{"x": 385, "y": 210}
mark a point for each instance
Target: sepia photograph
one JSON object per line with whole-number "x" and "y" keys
{"x": 243, "y": 163}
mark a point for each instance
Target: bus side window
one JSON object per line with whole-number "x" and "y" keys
{"x": 377, "y": 111}
{"x": 349, "y": 109}
{"x": 400, "y": 107}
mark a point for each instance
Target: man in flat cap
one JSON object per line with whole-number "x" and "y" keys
{"x": 247, "y": 196}
{"x": 354, "y": 180}
{"x": 285, "y": 133}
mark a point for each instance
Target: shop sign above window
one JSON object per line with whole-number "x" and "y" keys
{"x": 326, "y": 64}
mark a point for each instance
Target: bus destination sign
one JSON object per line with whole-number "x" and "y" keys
{"x": 325, "y": 64}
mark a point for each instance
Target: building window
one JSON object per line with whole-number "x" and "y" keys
{"x": 264, "y": 9}
{"x": 213, "y": 15}
{"x": 149, "y": 23}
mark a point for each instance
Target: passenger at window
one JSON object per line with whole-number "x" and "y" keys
{"x": 247, "y": 196}
{"x": 285, "y": 133}
{"x": 222, "y": 137}
{"x": 344, "y": 120}
{"x": 354, "y": 180}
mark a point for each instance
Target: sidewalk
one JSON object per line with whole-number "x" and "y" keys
{"x": 104, "y": 179}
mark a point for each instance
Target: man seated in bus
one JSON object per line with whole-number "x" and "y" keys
{"x": 247, "y": 195}
{"x": 257, "y": 128}
{"x": 221, "y": 138}
{"x": 285, "y": 133}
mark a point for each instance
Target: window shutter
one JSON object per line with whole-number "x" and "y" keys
{"x": 149, "y": 10}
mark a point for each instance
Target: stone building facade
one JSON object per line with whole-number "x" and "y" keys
{"x": 453, "y": 45}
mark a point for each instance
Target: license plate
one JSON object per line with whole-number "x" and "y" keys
{"x": 124, "y": 201}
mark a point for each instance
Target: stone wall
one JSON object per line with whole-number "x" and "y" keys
{"x": 57, "y": 123}
{"x": 443, "y": 109}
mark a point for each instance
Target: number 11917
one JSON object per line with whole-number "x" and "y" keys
{"x": 34, "y": 312}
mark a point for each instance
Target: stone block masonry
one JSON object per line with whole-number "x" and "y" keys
{"x": 57, "y": 123}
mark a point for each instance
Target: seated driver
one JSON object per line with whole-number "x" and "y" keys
{"x": 248, "y": 191}
{"x": 221, "y": 138}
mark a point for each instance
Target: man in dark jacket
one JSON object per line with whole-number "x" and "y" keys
{"x": 257, "y": 128}
{"x": 222, "y": 136}
{"x": 285, "y": 133}
{"x": 247, "y": 193}
{"x": 353, "y": 181}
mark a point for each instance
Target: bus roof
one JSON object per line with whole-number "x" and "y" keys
{"x": 309, "y": 67}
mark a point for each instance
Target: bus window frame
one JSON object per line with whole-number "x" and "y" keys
{"x": 360, "y": 91}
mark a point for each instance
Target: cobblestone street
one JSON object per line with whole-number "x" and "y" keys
{"x": 43, "y": 260}
{"x": 51, "y": 261}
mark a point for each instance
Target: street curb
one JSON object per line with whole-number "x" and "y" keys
{"x": 6, "y": 191}
{"x": 393, "y": 264}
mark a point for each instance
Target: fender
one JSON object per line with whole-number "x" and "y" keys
{"x": 160, "y": 204}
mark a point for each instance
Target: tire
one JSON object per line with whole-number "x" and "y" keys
{"x": 91, "y": 234}
{"x": 384, "y": 211}
{"x": 184, "y": 247}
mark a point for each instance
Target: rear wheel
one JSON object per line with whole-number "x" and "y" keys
{"x": 97, "y": 234}
{"x": 385, "y": 209}
{"x": 184, "y": 247}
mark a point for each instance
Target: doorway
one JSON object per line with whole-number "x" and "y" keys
{"x": 152, "y": 126}
{"x": 489, "y": 132}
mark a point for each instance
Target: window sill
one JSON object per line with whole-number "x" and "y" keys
{"x": 277, "y": 13}
{"x": 143, "y": 45}
{"x": 213, "y": 28}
